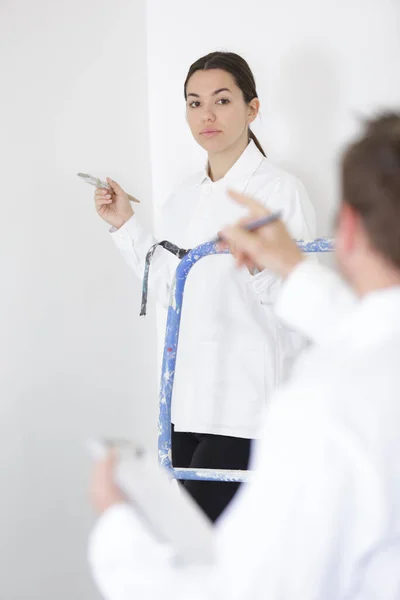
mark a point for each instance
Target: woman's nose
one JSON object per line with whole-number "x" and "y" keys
{"x": 208, "y": 114}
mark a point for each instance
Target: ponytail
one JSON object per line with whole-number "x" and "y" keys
{"x": 257, "y": 143}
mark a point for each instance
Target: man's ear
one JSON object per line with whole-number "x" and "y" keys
{"x": 347, "y": 225}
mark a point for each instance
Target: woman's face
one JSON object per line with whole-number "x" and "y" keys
{"x": 217, "y": 114}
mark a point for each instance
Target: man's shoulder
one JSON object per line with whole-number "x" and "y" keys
{"x": 338, "y": 383}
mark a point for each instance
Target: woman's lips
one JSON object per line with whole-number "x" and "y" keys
{"x": 209, "y": 133}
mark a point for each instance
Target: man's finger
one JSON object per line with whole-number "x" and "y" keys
{"x": 241, "y": 259}
{"x": 112, "y": 455}
{"x": 254, "y": 207}
{"x": 222, "y": 246}
{"x": 108, "y": 462}
{"x": 245, "y": 242}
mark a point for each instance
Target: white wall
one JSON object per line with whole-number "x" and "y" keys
{"x": 75, "y": 359}
{"x": 317, "y": 65}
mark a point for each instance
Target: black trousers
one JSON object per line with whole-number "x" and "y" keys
{"x": 203, "y": 450}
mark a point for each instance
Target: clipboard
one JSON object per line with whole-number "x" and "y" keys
{"x": 168, "y": 511}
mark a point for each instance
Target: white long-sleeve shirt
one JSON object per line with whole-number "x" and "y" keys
{"x": 232, "y": 351}
{"x": 320, "y": 519}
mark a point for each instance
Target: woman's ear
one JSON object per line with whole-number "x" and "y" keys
{"x": 254, "y": 107}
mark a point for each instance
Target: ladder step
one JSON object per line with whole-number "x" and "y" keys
{"x": 212, "y": 474}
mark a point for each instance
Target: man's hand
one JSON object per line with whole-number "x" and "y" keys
{"x": 270, "y": 247}
{"x": 104, "y": 493}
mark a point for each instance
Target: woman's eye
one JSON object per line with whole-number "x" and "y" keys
{"x": 223, "y": 101}
{"x": 194, "y": 104}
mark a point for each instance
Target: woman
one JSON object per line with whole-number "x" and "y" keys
{"x": 232, "y": 349}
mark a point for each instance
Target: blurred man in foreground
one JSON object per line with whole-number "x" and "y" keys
{"x": 321, "y": 518}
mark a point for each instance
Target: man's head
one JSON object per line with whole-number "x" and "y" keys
{"x": 368, "y": 229}
{"x": 368, "y": 224}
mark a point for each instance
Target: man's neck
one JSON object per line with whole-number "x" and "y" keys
{"x": 220, "y": 163}
{"x": 379, "y": 275}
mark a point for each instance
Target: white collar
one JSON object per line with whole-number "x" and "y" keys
{"x": 240, "y": 172}
{"x": 376, "y": 315}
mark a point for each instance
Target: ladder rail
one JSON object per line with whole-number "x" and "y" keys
{"x": 319, "y": 245}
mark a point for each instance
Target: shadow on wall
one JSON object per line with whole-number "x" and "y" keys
{"x": 308, "y": 94}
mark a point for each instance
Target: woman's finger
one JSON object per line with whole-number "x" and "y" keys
{"x": 116, "y": 188}
{"x": 102, "y": 193}
{"x": 99, "y": 202}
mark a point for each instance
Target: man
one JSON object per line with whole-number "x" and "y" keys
{"x": 321, "y": 518}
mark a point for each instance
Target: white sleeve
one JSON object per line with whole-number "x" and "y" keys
{"x": 133, "y": 242}
{"x": 127, "y": 563}
{"x": 285, "y": 534}
{"x": 313, "y": 300}
{"x": 276, "y": 541}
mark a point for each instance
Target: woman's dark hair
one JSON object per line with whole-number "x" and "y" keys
{"x": 371, "y": 183}
{"x": 240, "y": 71}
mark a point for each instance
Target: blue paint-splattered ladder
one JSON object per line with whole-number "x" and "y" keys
{"x": 169, "y": 361}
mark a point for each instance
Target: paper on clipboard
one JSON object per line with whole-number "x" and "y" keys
{"x": 168, "y": 511}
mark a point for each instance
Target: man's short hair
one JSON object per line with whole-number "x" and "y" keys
{"x": 371, "y": 183}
